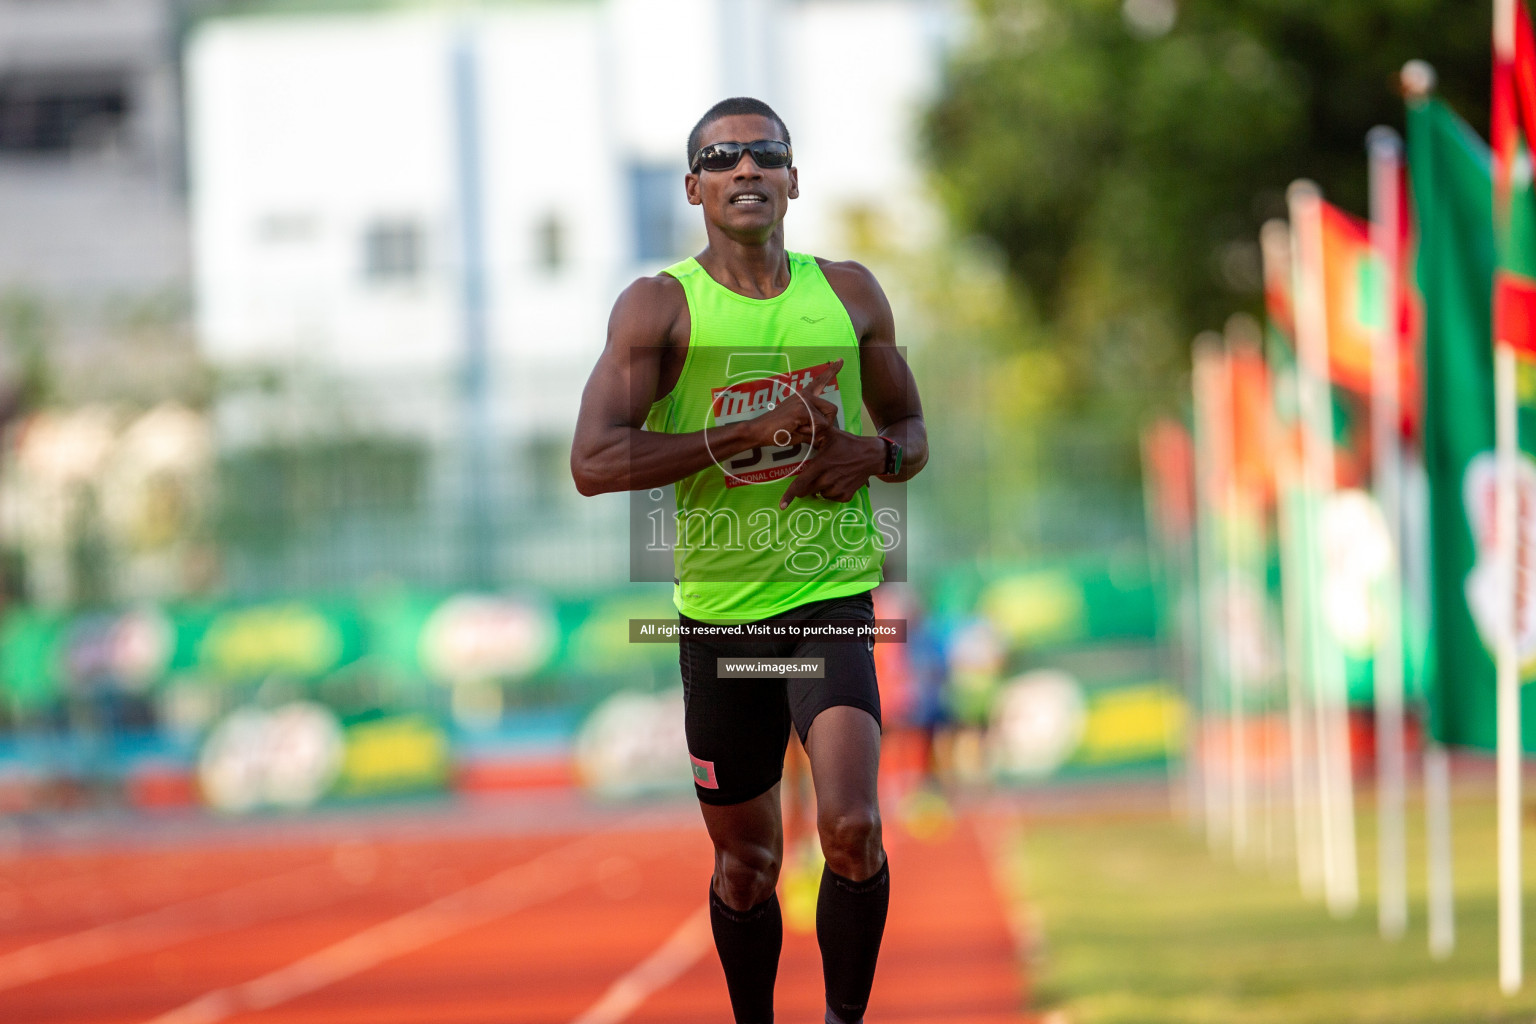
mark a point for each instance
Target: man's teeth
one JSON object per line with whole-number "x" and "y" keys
{"x": 749, "y": 198}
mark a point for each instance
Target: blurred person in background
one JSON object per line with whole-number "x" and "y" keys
{"x": 974, "y": 675}
{"x": 894, "y": 672}
{"x": 913, "y": 689}
{"x": 928, "y": 667}
{"x": 795, "y": 437}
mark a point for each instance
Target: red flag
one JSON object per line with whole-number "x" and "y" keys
{"x": 1514, "y": 102}
{"x": 1514, "y": 311}
{"x": 1410, "y": 310}
{"x": 1524, "y": 69}
{"x": 1170, "y": 455}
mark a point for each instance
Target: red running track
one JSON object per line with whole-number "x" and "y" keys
{"x": 442, "y": 922}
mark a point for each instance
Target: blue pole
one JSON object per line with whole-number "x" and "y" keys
{"x": 478, "y": 548}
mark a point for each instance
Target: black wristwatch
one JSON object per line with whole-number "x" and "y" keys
{"x": 892, "y": 457}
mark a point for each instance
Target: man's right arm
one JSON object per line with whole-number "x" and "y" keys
{"x": 610, "y": 451}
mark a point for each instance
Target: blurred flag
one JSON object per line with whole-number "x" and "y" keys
{"x": 1280, "y": 341}
{"x": 1452, "y": 189}
{"x": 1253, "y": 432}
{"x": 1353, "y": 291}
{"x": 1514, "y": 296}
{"x": 1351, "y": 277}
{"x": 1170, "y": 461}
{"x": 1343, "y": 261}
{"x": 1410, "y": 314}
{"x": 1349, "y": 282}
{"x": 1275, "y": 246}
{"x": 1500, "y": 593}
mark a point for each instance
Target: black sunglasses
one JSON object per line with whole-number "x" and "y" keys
{"x": 722, "y": 156}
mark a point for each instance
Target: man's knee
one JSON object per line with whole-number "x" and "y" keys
{"x": 745, "y": 874}
{"x": 850, "y": 839}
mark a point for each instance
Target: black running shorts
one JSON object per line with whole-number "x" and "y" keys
{"x": 738, "y": 728}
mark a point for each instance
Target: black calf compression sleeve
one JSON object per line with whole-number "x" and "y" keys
{"x": 748, "y": 942}
{"x": 850, "y": 920}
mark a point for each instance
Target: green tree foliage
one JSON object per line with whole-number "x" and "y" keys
{"x": 1122, "y": 154}
{"x": 26, "y": 380}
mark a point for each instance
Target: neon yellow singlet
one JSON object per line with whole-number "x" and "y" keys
{"x": 738, "y": 557}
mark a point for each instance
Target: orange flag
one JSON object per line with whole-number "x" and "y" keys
{"x": 1253, "y": 431}
{"x": 1352, "y": 295}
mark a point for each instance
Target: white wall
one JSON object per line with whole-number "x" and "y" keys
{"x": 300, "y": 133}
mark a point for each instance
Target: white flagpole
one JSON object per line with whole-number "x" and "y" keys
{"x": 1302, "y": 745}
{"x": 1385, "y": 149}
{"x": 1507, "y": 440}
{"x": 1508, "y": 674}
{"x": 1418, "y": 79}
{"x": 1275, "y": 243}
{"x": 1341, "y": 877}
{"x": 1161, "y": 544}
{"x": 1213, "y": 766}
{"x": 1234, "y": 526}
{"x": 1251, "y": 754}
{"x": 1191, "y": 658}
{"x": 1437, "y": 826}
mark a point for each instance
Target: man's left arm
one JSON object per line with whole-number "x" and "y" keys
{"x": 890, "y": 392}
{"x": 845, "y": 465}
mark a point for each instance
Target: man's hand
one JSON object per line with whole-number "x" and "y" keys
{"x": 794, "y": 421}
{"x": 839, "y": 470}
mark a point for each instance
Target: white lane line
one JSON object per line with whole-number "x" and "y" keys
{"x": 240, "y": 905}
{"x": 547, "y": 876}
{"x": 653, "y": 974}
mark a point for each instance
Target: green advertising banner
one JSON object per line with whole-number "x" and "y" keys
{"x": 1052, "y": 605}
{"x": 303, "y": 639}
{"x": 27, "y": 642}
{"x": 415, "y": 638}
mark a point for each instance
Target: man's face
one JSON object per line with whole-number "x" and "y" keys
{"x": 746, "y": 201}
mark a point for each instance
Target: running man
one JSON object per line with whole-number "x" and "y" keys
{"x": 741, "y": 375}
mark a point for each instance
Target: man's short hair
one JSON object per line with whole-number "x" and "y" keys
{"x": 729, "y": 108}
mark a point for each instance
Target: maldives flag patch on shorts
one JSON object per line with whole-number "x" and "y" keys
{"x": 704, "y": 773}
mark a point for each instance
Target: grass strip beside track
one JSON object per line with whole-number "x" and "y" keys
{"x": 1140, "y": 924}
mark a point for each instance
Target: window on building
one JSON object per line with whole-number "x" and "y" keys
{"x": 392, "y": 251}
{"x": 655, "y": 189}
{"x": 50, "y": 114}
{"x": 549, "y": 243}
{"x": 286, "y": 228}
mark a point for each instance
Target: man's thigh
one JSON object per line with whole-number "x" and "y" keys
{"x": 737, "y": 728}
{"x": 844, "y": 750}
{"x": 848, "y": 668}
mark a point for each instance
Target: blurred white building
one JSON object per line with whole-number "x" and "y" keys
{"x": 335, "y": 160}
{"x": 105, "y": 492}
{"x": 90, "y": 148}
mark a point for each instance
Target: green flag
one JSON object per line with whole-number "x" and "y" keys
{"x": 1453, "y": 202}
